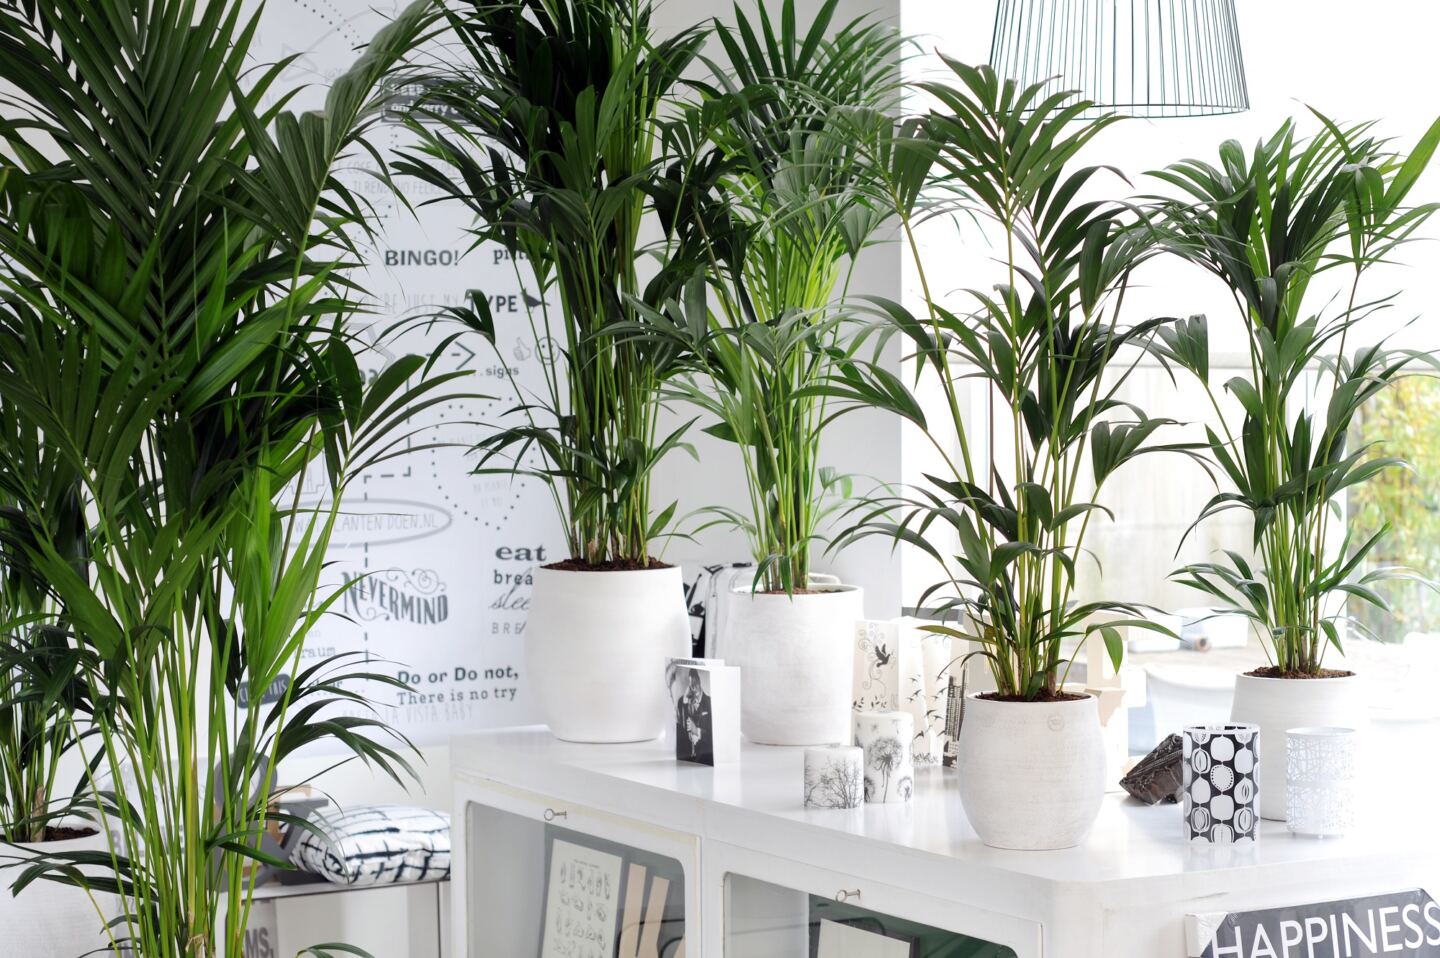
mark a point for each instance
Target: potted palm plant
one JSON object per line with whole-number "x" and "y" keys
{"x": 40, "y": 695}
{"x": 174, "y": 326}
{"x": 788, "y": 214}
{"x": 1268, "y": 223}
{"x": 547, "y": 128}
{"x": 1048, "y": 348}
{"x": 42, "y": 703}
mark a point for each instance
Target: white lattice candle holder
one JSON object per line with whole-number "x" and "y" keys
{"x": 834, "y": 776}
{"x": 886, "y": 738}
{"x": 1322, "y": 782}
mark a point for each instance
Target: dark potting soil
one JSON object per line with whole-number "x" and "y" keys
{"x": 1272, "y": 672}
{"x": 64, "y": 833}
{"x": 614, "y": 565}
{"x": 1041, "y": 698}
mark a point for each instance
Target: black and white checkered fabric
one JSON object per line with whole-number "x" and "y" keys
{"x": 377, "y": 845}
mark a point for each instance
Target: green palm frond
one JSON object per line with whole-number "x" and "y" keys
{"x": 178, "y": 341}
{"x": 1267, "y": 222}
{"x": 770, "y": 194}
{"x": 1047, "y": 342}
{"x": 546, "y": 126}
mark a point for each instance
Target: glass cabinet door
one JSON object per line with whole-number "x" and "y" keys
{"x": 541, "y": 889}
{"x": 763, "y": 920}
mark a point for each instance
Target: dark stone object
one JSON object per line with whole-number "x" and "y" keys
{"x": 1158, "y": 777}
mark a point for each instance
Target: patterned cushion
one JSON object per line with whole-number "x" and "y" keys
{"x": 377, "y": 845}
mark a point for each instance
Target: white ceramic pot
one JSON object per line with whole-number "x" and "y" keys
{"x": 797, "y": 662}
{"x": 1032, "y": 774}
{"x": 1278, "y": 705}
{"x": 47, "y": 919}
{"x": 597, "y": 645}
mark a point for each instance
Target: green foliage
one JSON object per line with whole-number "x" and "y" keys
{"x": 1048, "y": 345}
{"x": 546, "y": 126}
{"x": 1404, "y": 418}
{"x": 173, "y": 309}
{"x": 40, "y": 692}
{"x": 780, "y": 144}
{"x": 1267, "y": 223}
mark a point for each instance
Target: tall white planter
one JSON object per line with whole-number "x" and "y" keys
{"x": 797, "y": 662}
{"x": 47, "y": 919}
{"x": 596, "y": 646}
{"x": 1278, "y": 705}
{"x": 1032, "y": 774}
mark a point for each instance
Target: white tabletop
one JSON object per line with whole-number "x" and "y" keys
{"x": 757, "y": 804}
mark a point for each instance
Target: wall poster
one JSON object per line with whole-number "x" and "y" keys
{"x": 443, "y": 558}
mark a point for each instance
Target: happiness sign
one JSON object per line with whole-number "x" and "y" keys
{"x": 1404, "y": 923}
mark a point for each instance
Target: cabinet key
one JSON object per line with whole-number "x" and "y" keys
{"x": 843, "y": 896}
{"x": 551, "y": 814}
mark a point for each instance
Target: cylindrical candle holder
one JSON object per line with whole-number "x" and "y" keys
{"x": 1321, "y": 783}
{"x": 886, "y": 738}
{"x": 1222, "y": 782}
{"x": 834, "y": 776}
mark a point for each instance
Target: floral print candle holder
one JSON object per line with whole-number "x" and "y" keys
{"x": 886, "y": 738}
{"x": 1221, "y": 779}
{"x": 1321, "y": 781}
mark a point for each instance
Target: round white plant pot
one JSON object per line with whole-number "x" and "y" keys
{"x": 1032, "y": 774}
{"x": 48, "y": 919}
{"x": 596, "y": 647}
{"x": 1278, "y": 705}
{"x": 797, "y": 662}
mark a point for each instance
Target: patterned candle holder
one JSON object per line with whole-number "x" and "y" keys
{"x": 834, "y": 776}
{"x": 1221, "y": 779}
{"x": 886, "y": 739}
{"x": 1321, "y": 783}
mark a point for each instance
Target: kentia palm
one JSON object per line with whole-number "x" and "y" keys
{"x": 174, "y": 327}
{"x": 545, "y": 125}
{"x": 44, "y": 699}
{"x": 1267, "y": 224}
{"x": 789, "y": 212}
{"x": 40, "y": 693}
{"x": 1049, "y": 347}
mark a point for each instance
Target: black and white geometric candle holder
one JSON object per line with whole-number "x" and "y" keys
{"x": 1222, "y": 783}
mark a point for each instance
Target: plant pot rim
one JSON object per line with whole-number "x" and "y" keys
{"x": 1294, "y": 680}
{"x": 95, "y": 838}
{"x": 653, "y": 570}
{"x": 1085, "y": 696}
{"x": 817, "y": 591}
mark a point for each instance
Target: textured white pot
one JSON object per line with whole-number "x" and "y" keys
{"x": 797, "y": 663}
{"x": 47, "y": 919}
{"x": 1278, "y": 705}
{"x": 596, "y": 645}
{"x": 1032, "y": 774}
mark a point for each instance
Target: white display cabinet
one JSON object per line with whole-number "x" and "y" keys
{"x": 505, "y": 845}
{"x": 761, "y": 873}
{"x": 782, "y": 914}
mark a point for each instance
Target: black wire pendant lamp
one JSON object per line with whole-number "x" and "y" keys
{"x": 1149, "y": 58}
